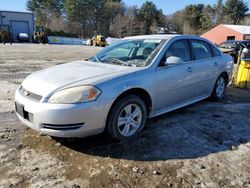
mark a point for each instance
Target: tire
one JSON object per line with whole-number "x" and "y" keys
{"x": 130, "y": 123}
{"x": 219, "y": 88}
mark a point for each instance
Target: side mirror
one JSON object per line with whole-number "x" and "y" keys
{"x": 173, "y": 60}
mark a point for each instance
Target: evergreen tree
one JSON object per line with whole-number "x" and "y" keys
{"x": 235, "y": 10}
{"x": 149, "y": 13}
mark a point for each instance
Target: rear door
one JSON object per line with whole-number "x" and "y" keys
{"x": 204, "y": 67}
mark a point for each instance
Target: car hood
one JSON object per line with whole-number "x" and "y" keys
{"x": 46, "y": 81}
{"x": 226, "y": 50}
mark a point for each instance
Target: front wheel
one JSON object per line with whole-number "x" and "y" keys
{"x": 127, "y": 118}
{"x": 219, "y": 89}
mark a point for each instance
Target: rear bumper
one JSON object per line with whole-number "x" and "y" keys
{"x": 64, "y": 120}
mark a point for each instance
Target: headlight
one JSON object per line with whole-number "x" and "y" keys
{"x": 75, "y": 95}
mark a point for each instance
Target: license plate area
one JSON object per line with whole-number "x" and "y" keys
{"x": 20, "y": 111}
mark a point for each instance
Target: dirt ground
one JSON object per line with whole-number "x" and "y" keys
{"x": 206, "y": 144}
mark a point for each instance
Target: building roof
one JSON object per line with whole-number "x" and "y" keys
{"x": 16, "y": 11}
{"x": 243, "y": 29}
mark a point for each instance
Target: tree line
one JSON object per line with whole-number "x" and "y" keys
{"x": 197, "y": 19}
{"x": 113, "y": 18}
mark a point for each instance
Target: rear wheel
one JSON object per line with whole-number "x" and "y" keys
{"x": 219, "y": 88}
{"x": 127, "y": 118}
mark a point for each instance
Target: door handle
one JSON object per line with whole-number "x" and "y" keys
{"x": 189, "y": 69}
{"x": 215, "y": 64}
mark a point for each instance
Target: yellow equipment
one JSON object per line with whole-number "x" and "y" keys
{"x": 98, "y": 40}
{"x": 5, "y": 36}
{"x": 40, "y": 35}
{"x": 243, "y": 76}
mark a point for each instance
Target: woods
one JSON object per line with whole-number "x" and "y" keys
{"x": 114, "y": 18}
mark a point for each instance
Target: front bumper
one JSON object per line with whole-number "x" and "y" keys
{"x": 64, "y": 120}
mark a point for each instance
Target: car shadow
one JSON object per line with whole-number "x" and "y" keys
{"x": 194, "y": 131}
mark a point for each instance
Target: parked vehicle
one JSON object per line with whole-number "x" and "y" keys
{"x": 40, "y": 35}
{"x": 233, "y": 47}
{"x": 111, "y": 40}
{"x": 123, "y": 85}
{"x": 98, "y": 40}
{"x": 23, "y": 37}
{"x": 88, "y": 42}
{"x": 5, "y": 36}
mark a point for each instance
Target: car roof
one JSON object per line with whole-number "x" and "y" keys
{"x": 23, "y": 34}
{"x": 164, "y": 36}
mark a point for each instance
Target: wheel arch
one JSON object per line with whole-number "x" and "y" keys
{"x": 142, "y": 93}
{"x": 225, "y": 76}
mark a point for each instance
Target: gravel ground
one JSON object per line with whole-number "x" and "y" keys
{"x": 206, "y": 144}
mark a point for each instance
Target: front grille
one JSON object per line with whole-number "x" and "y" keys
{"x": 62, "y": 127}
{"x": 29, "y": 94}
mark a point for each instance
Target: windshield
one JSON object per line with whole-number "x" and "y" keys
{"x": 136, "y": 53}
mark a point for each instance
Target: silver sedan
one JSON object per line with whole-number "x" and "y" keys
{"x": 122, "y": 86}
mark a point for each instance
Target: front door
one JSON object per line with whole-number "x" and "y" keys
{"x": 175, "y": 82}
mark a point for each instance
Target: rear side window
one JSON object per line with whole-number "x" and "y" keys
{"x": 215, "y": 51}
{"x": 179, "y": 49}
{"x": 200, "y": 49}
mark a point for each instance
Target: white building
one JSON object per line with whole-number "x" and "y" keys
{"x": 18, "y": 22}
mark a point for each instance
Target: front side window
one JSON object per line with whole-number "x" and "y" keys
{"x": 200, "y": 49}
{"x": 137, "y": 53}
{"x": 179, "y": 49}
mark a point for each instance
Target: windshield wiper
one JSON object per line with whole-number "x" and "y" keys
{"x": 94, "y": 59}
{"x": 118, "y": 61}
{"x": 97, "y": 59}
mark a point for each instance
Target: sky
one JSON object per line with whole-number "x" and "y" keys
{"x": 168, "y": 6}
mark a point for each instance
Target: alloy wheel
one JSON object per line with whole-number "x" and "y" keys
{"x": 129, "y": 120}
{"x": 220, "y": 87}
